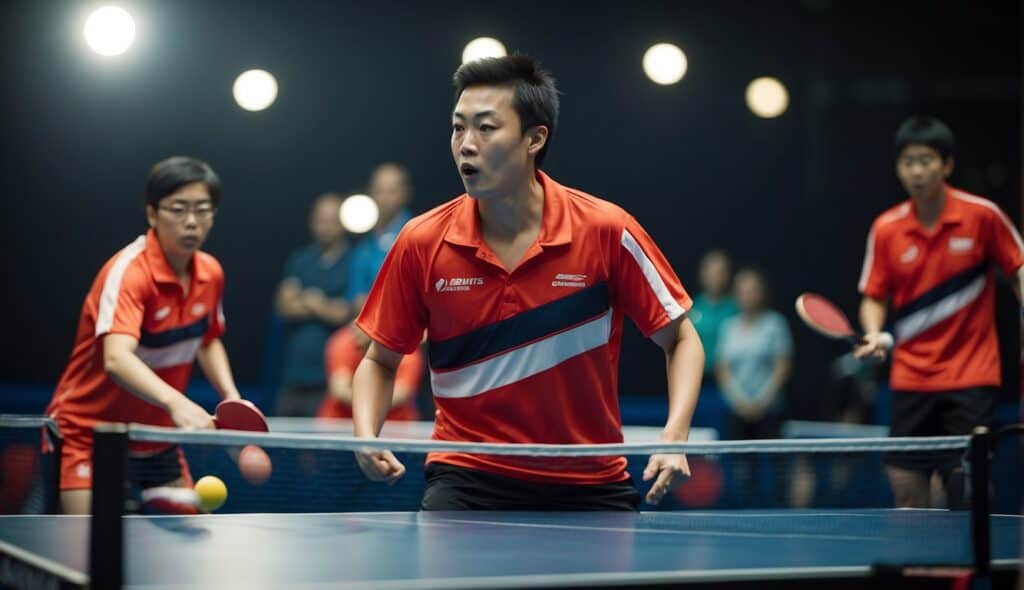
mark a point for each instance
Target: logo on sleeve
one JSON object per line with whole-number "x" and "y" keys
{"x": 960, "y": 245}
{"x": 569, "y": 280}
{"x": 198, "y": 309}
{"x": 909, "y": 255}
{"x": 162, "y": 313}
{"x": 457, "y": 284}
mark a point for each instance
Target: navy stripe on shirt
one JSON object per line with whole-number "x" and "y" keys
{"x": 519, "y": 329}
{"x": 175, "y": 335}
{"x": 941, "y": 291}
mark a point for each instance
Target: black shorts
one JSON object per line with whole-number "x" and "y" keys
{"x": 460, "y": 488}
{"x": 158, "y": 469}
{"x": 940, "y": 413}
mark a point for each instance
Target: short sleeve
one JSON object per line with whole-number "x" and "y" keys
{"x": 874, "y": 275}
{"x": 1004, "y": 242}
{"x": 643, "y": 282}
{"x": 395, "y": 313}
{"x": 122, "y": 305}
{"x": 342, "y": 353}
{"x": 410, "y": 370}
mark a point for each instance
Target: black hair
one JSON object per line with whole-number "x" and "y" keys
{"x": 167, "y": 176}
{"x": 927, "y": 131}
{"x": 535, "y": 95}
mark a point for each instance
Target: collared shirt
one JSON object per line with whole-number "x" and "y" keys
{"x": 942, "y": 289}
{"x": 137, "y": 293}
{"x": 527, "y": 355}
{"x": 368, "y": 255}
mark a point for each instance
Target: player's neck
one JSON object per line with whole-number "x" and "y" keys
{"x": 519, "y": 211}
{"x": 182, "y": 268}
{"x": 928, "y": 208}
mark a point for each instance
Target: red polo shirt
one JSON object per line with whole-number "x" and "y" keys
{"x": 136, "y": 293}
{"x": 942, "y": 289}
{"x": 531, "y": 354}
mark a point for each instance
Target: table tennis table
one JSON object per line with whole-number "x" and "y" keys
{"x": 432, "y": 550}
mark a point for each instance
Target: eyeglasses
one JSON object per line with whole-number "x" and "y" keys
{"x": 203, "y": 212}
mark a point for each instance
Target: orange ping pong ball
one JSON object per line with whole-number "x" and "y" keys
{"x": 212, "y": 492}
{"x": 255, "y": 465}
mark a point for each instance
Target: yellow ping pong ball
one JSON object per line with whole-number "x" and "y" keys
{"x": 212, "y": 492}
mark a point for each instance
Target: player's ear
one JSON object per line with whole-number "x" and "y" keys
{"x": 151, "y": 215}
{"x": 538, "y": 137}
{"x": 947, "y": 166}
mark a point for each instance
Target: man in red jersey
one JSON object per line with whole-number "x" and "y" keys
{"x": 931, "y": 256}
{"x": 522, "y": 285}
{"x": 345, "y": 349}
{"x": 153, "y": 309}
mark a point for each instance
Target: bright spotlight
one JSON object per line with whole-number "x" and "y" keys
{"x": 767, "y": 97}
{"x": 359, "y": 214}
{"x": 665, "y": 64}
{"x": 109, "y": 31}
{"x": 482, "y": 47}
{"x": 255, "y": 90}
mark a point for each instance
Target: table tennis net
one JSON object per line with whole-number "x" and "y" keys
{"x": 317, "y": 471}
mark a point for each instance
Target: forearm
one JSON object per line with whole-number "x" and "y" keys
{"x": 213, "y": 360}
{"x": 340, "y": 386}
{"x": 402, "y": 395}
{"x": 289, "y": 302}
{"x": 128, "y": 371}
{"x": 872, "y": 315}
{"x": 334, "y": 312}
{"x": 685, "y": 367}
{"x": 372, "y": 389}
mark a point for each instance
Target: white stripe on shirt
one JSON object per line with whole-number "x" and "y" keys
{"x": 520, "y": 363}
{"x": 179, "y": 353}
{"x": 112, "y": 285}
{"x": 668, "y": 303}
{"x": 923, "y": 319}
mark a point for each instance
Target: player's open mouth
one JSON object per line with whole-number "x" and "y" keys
{"x": 468, "y": 170}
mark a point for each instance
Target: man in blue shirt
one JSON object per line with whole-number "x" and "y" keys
{"x": 391, "y": 189}
{"x": 312, "y": 302}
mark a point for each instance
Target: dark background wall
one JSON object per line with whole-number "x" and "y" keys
{"x": 365, "y": 82}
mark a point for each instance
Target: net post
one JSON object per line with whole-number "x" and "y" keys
{"x": 51, "y": 468}
{"x": 109, "y": 482}
{"x": 978, "y": 458}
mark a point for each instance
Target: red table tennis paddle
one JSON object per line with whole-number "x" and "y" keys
{"x": 239, "y": 414}
{"x": 824, "y": 317}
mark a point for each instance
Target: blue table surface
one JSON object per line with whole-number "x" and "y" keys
{"x": 510, "y": 549}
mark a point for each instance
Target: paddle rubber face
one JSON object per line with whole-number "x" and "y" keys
{"x": 824, "y": 317}
{"x": 240, "y": 414}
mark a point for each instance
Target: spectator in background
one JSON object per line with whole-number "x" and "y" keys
{"x": 755, "y": 351}
{"x": 391, "y": 189}
{"x": 311, "y": 300}
{"x": 712, "y": 306}
{"x": 344, "y": 351}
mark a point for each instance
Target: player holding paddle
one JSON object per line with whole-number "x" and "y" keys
{"x": 930, "y": 257}
{"x": 154, "y": 308}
